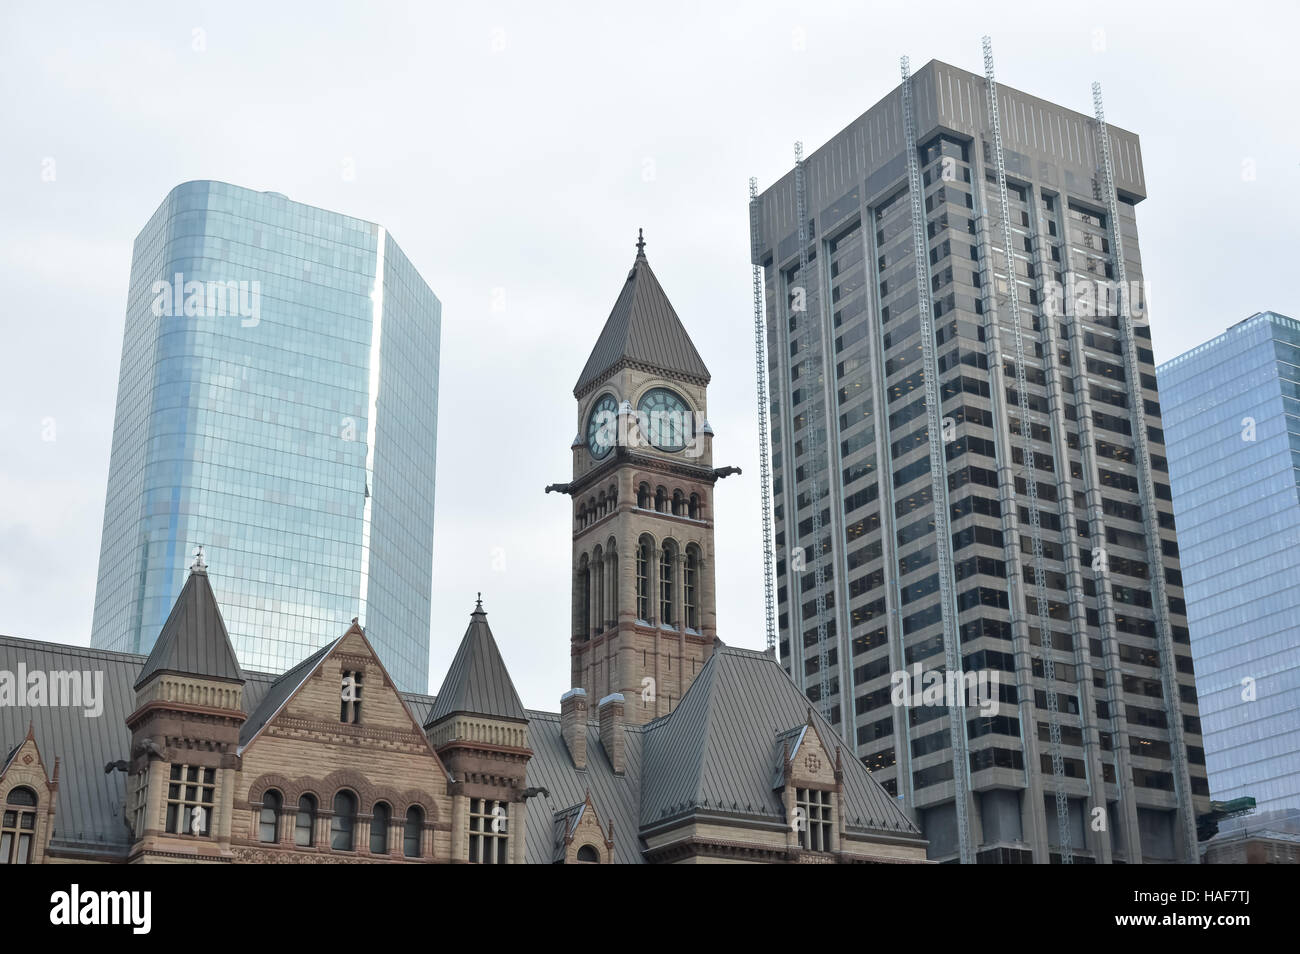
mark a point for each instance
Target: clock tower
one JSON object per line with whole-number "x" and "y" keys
{"x": 642, "y": 493}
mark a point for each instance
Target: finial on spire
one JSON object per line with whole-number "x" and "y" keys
{"x": 478, "y": 608}
{"x": 198, "y": 563}
{"x": 640, "y": 243}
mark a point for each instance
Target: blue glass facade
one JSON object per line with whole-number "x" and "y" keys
{"x": 1232, "y": 429}
{"x": 277, "y": 404}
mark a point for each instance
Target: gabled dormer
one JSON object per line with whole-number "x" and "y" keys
{"x": 809, "y": 780}
{"x": 579, "y": 839}
{"x": 28, "y": 797}
{"x": 185, "y": 732}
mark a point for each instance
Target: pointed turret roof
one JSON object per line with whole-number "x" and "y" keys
{"x": 643, "y": 329}
{"x": 478, "y": 681}
{"x": 194, "y": 641}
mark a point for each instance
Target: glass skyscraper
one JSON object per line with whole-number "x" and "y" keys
{"x": 277, "y": 404}
{"x": 1232, "y": 428}
{"x": 927, "y": 425}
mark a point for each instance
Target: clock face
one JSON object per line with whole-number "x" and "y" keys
{"x": 665, "y": 420}
{"x": 602, "y": 427}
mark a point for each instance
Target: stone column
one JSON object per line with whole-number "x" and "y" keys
{"x": 157, "y": 779}
{"x": 224, "y": 809}
{"x": 704, "y": 583}
{"x": 459, "y": 821}
{"x": 361, "y": 834}
{"x": 286, "y": 824}
{"x": 626, "y": 581}
{"x": 611, "y": 590}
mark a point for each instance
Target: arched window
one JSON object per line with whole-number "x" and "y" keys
{"x": 411, "y": 834}
{"x": 611, "y": 573}
{"x": 269, "y": 823}
{"x": 661, "y": 500}
{"x": 679, "y": 504}
{"x": 584, "y": 612}
{"x": 304, "y": 826}
{"x": 582, "y": 516}
{"x": 588, "y": 855}
{"x": 18, "y": 828}
{"x": 643, "y": 496}
{"x": 379, "y": 829}
{"x": 666, "y": 560}
{"x": 643, "y": 579}
{"x": 344, "y": 821}
{"x": 689, "y": 582}
{"x": 598, "y": 590}
{"x": 693, "y": 508}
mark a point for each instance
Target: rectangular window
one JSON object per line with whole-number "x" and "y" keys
{"x": 815, "y": 807}
{"x": 350, "y": 698}
{"x": 189, "y": 800}
{"x": 489, "y": 840}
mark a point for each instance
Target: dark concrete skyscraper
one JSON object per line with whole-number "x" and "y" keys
{"x": 278, "y": 404}
{"x": 937, "y": 547}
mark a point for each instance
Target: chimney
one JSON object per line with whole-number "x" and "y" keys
{"x": 611, "y": 729}
{"x": 573, "y": 725}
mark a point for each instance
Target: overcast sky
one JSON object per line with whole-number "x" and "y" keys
{"x": 512, "y": 151}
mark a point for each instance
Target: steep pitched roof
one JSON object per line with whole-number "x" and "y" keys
{"x": 715, "y": 750}
{"x": 643, "y": 328}
{"x": 478, "y": 681}
{"x": 278, "y": 693}
{"x": 194, "y": 641}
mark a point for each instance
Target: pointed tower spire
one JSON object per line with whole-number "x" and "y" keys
{"x": 643, "y": 330}
{"x": 194, "y": 641}
{"x": 478, "y": 681}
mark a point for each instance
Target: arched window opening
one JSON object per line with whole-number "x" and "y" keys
{"x": 612, "y": 577}
{"x": 661, "y": 500}
{"x": 379, "y": 828}
{"x": 584, "y": 613}
{"x": 598, "y": 590}
{"x": 643, "y": 579}
{"x": 269, "y": 820}
{"x": 344, "y": 822}
{"x": 18, "y": 831}
{"x": 689, "y": 578}
{"x": 693, "y": 508}
{"x": 304, "y": 826}
{"x": 666, "y": 560}
{"x": 643, "y": 496}
{"x": 679, "y": 506}
{"x": 588, "y": 855}
{"x": 411, "y": 833}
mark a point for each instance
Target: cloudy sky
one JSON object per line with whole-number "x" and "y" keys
{"x": 513, "y": 150}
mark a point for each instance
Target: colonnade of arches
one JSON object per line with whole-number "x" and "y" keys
{"x": 667, "y": 586}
